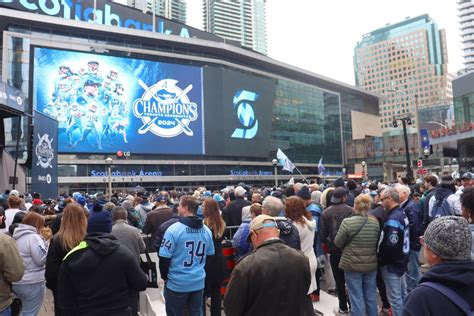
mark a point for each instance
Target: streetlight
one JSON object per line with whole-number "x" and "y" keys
{"x": 407, "y": 119}
{"x": 275, "y": 164}
{"x": 108, "y": 162}
{"x": 363, "y": 163}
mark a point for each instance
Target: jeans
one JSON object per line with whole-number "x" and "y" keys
{"x": 362, "y": 292}
{"x": 176, "y": 302}
{"x": 394, "y": 285}
{"x": 340, "y": 281}
{"x": 31, "y": 296}
{"x": 412, "y": 276}
{"x": 6, "y": 312}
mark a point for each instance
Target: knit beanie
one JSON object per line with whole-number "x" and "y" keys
{"x": 449, "y": 237}
{"x": 304, "y": 193}
{"x": 99, "y": 222}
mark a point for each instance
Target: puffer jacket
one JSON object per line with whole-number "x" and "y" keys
{"x": 33, "y": 250}
{"x": 360, "y": 253}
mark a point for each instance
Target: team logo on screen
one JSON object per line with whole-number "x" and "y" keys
{"x": 165, "y": 109}
{"x": 243, "y": 100}
{"x": 44, "y": 151}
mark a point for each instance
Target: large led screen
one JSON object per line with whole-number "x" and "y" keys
{"x": 238, "y": 113}
{"x": 104, "y": 103}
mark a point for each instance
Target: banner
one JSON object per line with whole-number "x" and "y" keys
{"x": 44, "y": 169}
{"x": 105, "y": 104}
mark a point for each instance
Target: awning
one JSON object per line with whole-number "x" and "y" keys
{"x": 12, "y": 101}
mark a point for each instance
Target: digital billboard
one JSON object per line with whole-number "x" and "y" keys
{"x": 238, "y": 113}
{"x": 105, "y": 103}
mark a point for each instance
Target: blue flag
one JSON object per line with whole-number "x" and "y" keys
{"x": 321, "y": 166}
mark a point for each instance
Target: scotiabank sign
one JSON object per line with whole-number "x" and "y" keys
{"x": 466, "y": 127}
{"x": 107, "y": 13}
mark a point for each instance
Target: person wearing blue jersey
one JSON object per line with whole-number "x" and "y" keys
{"x": 394, "y": 249}
{"x": 183, "y": 252}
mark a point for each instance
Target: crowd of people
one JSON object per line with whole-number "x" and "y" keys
{"x": 359, "y": 238}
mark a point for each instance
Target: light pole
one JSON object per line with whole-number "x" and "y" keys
{"x": 363, "y": 164}
{"x": 275, "y": 165}
{"x": 108, "y": 162}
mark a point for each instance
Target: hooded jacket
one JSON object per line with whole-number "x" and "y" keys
{"x": 457, "y": 275}
{"x": 11, "y": 269}
{"x": 33, "y": 251}
{"x": 96, "y": 276}
{"x": 183, "y": 253}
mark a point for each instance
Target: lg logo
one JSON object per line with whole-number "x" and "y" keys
{"x": 243, "y": 100}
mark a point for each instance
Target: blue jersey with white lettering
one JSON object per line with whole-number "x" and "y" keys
{"x": 395, "y": 245}
{"x": 187, "y": 247}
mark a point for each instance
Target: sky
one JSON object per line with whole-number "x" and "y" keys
{"x": 320, "y": 36}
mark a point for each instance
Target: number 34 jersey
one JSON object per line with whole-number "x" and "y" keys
{"x": 187, "y": 243}
{"x": 395, "y": 246}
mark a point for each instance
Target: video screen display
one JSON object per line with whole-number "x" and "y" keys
{"x": 104, "y": 104}
{"x": 238, "y": 113}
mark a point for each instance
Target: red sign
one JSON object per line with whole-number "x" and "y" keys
{"x": 420, "y": 163}
{"x": 422, "y": 171}
{"x": 355, "y": 176}
{"x": 466, "y": 127}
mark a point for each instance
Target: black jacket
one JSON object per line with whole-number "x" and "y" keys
{"x": 232, "y": 214}
{"x": 215, "y": 265}
{"x": 457, "y": 275}
{"x": 272, "y": 280}
{"x": 56, "y": 253}
{"x": 97, "y": 279}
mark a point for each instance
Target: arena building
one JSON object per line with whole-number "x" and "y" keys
{"x": 172, "y": 106}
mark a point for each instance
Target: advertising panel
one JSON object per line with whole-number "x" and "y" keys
{"x": 104, "y": 104}
{"x": 238, "y": 113}
{"x": 108, "y": 13}
{"x": 44, "y": 169}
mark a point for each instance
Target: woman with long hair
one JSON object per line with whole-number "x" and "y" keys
{"x": 295, "y": 209}
{"x": 71, "y": 233}
{"x": 33, "y": 250}
{"x": 215, "y": 264}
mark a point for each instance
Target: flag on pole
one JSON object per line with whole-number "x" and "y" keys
{"x": 321, "y": 166}
{"x": 284, "y": 161}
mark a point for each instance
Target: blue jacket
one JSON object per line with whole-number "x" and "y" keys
{"x": 456, "y": 275}
{"x": 316, "y": 212}
{"x": 395, "y": 246}
{"x": 415, "y": 219}
{"x": 239, "y": 241}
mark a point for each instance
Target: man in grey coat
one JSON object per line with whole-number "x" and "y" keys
{"x": 128, "y": 236}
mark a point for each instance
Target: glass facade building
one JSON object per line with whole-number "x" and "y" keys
{"x": 310, "y": 115}
{"x": 406, "y": 63}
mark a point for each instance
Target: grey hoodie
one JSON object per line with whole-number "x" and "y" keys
{"x": 33, "y": 250}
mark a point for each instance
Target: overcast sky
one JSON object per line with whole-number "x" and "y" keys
{"x": 320, "y": 36}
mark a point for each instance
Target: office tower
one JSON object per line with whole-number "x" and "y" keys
{"x": 466, "y": 15}
{"x": 238, "y": 20}
{"x": 171, "y": 9}
{"x": 406, "y": 64}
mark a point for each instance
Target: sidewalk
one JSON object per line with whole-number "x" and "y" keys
{"x": 48, "y": 304}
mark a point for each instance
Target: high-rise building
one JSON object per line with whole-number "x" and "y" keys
{"x": 466, "y": 15}
{"x": 406, "y": 64}
{"x": 171, "y": 9}
{"x": 238, "y": 20}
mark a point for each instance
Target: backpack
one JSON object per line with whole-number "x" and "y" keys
{"x": 452, "y": 296}
{"x": 440, "y": 208}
